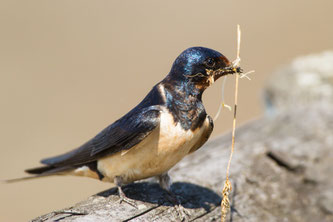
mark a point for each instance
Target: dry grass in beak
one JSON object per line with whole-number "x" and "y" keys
{"x": 210, "y": 79}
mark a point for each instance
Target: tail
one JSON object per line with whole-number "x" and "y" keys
{"x": 57, "y": 165}
{"x": 39, "y": 172}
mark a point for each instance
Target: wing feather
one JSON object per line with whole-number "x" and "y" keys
{"x": 121, "y": 135}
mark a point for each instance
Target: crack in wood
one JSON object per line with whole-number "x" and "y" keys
{"x": 204, "y": 214}
{"x": 142, "y": 213}
{"x": 284, "y": 164}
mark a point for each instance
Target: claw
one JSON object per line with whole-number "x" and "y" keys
{"x": 183, "y": 213}
{"x": 118, "y": 180}
{"x": 125, "y": 199}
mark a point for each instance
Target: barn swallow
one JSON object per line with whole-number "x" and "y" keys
{"x": 168, "y": 124}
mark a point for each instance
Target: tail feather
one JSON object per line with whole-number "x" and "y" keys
{"x": 24, "y": 178}
{"x": 39, "y": 170}
{"x": 55, "y": 165}
{"x": 42, "y": 171}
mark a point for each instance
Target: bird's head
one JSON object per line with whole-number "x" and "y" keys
{"x": 200, "y": 67}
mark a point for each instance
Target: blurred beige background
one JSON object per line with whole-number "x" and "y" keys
{"x": 70, "y": 68}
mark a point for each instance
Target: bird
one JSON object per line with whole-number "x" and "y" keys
{"x": 168, "y": 124}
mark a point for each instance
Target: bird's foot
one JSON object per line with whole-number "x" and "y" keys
{"x": 165, "y": 183}
{"x": 118, "y": 180}
{"x": 125, "y": 199}
{"x": 183, "y": 214}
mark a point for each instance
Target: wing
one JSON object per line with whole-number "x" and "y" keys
{"x": 121, "y": 135}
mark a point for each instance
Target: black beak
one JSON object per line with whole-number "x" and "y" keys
{"x": 226, "y": 71}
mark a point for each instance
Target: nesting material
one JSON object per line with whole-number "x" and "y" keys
{"x": 227, "y": 188}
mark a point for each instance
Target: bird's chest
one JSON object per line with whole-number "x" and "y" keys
{"x": 156, "y": 154}
{"x": 174, "y": 139}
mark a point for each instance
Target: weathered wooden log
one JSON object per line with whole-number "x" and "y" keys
{"x": 281, "y": 171}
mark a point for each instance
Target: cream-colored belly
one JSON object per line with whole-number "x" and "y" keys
{"x": 156, "y": 154}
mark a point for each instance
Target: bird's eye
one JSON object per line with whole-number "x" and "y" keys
{"x": 210, "y": 62}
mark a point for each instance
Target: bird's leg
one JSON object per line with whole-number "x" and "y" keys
{"x": 165, "y": 182}
{"x": 119, "y": 182}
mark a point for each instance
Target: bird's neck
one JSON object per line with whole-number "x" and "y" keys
{"x": 183, "y": 100}
{"x": 182, "y": 89}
